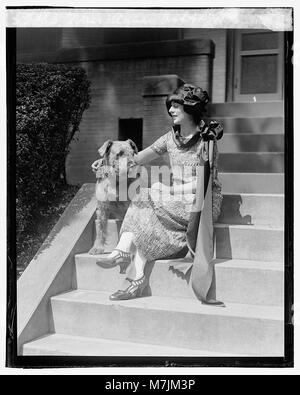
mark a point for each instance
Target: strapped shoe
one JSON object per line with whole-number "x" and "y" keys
{"x": 135, "y": 290}
{"x": 122, "y": 258}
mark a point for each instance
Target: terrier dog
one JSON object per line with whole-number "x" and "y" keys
{"x": 116, "y": 157}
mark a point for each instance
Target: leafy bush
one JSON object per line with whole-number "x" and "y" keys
{"x": 32, "y": 239}
{"x": 50, "y": 101}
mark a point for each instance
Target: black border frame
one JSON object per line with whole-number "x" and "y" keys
{"x": 15, "y": 361}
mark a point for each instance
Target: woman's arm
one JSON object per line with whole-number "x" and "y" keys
{"x": 145, "y": 156}
{"x": 154, "y": 151}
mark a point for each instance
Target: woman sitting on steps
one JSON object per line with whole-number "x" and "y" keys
{"x": 154, "y": 226}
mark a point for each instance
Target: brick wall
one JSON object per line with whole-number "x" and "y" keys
{"x": 117, "y": 89}
{"x": 219, "y": 37}
{"x": 31, "y": 41}
{"x": 116, "y": 73}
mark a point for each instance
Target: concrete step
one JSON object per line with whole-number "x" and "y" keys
{"x": 255, "y": 282}
{"x": 58, "y": 344}
{"x": 236, "y": 241}
{"x": 238, "y": 209}
{"x": 255, "y": 242}
{"x": 245, "y": 142}
{"x": 253, "y": 209}
{"x": 255, "y": 109}
{"x": 255, "y": 124}
{"x": 237, "y": 181}
{"x": 240, "y": 182}
{"x": 251, "y": 162}
{"x": 171, "y": 322}
{"x": 269, "y": 183}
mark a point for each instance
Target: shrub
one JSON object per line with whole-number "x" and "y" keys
{"x": 50, "y": 101}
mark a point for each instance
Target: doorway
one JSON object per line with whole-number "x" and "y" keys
{"x": 257, "y": 65}
{"x": 132, "y": 128}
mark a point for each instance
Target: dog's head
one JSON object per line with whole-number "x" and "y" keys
{"x": 118, "y": 154}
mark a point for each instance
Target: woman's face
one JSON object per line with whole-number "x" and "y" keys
{"x": 178, "y": 115}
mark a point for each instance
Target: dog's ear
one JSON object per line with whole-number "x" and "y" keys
{"x": 104, "y": 149}
{"x": 133, "y": 146}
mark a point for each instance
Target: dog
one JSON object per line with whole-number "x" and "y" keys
{"x": 116, "y": 157}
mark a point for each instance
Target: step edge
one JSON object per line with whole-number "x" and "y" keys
{"x": 238, "y": 263}
{"x": 219, "y": 225}
{"x": 99, "y": 341}
{"x": 251, "y": 153}
{"x": 269, "y": 116}
{"x": 254, "y": 174}
{"x": 276, "y": 195}
{"x": 276, "y": 314}
{"x": 254, "y": 134}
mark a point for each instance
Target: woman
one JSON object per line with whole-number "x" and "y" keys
{"x": 156, "y": 226}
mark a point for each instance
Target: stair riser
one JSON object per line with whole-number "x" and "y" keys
{"x": 252, "y": 183}
{"x": 252, "y": 244}
{"x": 214, "y": 332}
{"x": 274, "y": 109}
{"x": 270, "y": 125}
{"x": 236, "y": 285}
{"x": 234, "y": 143}
{"x": 114, "y": 351}
{"x": 55, "y": 344}
{"x": 237, "y": 181}
{"x": 27, "y": 351}
{"x": 252, "y": 209}
{"x": 240, "y": 209}
{"x": 250, "y": 286}
{"x": 233, "y": 242}
{"x": 251, "y": 163}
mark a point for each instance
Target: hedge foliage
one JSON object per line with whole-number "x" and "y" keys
{"x": 50, "y": 101}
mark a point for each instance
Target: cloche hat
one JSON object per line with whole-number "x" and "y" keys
{"x": 192, "y": 97}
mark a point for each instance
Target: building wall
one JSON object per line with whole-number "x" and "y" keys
{"x": 34, "y": 40}
{"x": 116, "y": 72}
{"x": 116, "y": 90}
{"x": 31, "y": 41}
{"x": 219, "y": 37}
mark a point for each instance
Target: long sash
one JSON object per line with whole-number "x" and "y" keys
{"x": 200, "y": 237}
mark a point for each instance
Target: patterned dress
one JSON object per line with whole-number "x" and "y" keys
{"x": 159, "y": 224}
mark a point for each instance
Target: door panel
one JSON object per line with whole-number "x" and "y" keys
{"x": 258, "y": 65}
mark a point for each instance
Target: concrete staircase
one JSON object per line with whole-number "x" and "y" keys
{"x": 248, "y": 262}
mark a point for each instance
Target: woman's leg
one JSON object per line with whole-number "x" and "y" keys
{"x": 135, "y": 275}
{"x": 125, "y": 244}
{"x": 136, "y": 269}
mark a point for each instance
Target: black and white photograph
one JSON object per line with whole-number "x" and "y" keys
{"x": 150, "y": 184}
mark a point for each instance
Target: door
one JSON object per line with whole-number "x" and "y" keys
{"x": 258, "y": 66}
{"x": 132, "y": 128}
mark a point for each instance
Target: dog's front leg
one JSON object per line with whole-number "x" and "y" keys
{"x": 100, "y": 226}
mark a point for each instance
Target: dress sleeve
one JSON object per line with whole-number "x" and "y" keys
{"x": 160, "y": 145}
